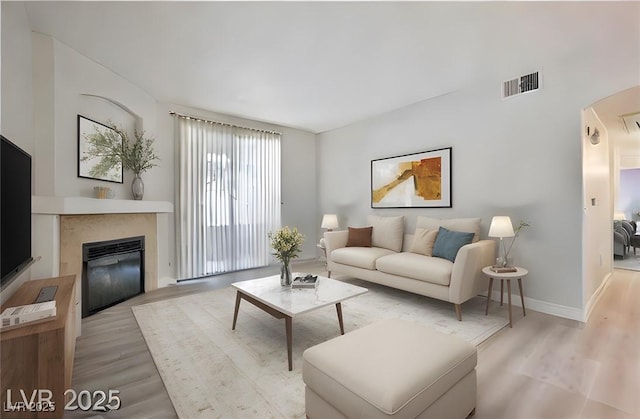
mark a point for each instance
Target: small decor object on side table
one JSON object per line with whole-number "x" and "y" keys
{"x": 502, "y": 269}
{"x": 307, "y": 281}
{"x": 286, "y": 242}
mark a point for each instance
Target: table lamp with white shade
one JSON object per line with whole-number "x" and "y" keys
{"x": 329, "y": 221}
{"x": 501, "y": 227}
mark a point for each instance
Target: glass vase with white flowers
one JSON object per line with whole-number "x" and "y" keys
{"x": 286, "y": 243}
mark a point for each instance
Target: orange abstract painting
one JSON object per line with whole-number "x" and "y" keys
{"x": 413, "y": 180}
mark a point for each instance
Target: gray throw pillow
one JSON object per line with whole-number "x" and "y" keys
{"x": 449, "y": 242}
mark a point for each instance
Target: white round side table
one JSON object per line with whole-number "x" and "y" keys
{"x": 508, "y": 276}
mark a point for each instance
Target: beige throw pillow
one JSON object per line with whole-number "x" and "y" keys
{"x": 388, "y": 232}
{"x": 466, "y": 225}
{"x": 423, "y": 240}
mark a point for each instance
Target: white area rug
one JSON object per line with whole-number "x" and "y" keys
{"x": 211, "y": 371}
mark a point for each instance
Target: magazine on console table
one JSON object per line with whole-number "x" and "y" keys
{"x": 28, "y": 314}
{"x": 305, "y": 281}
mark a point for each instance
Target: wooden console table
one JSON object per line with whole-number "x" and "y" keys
{"x": 39, "y": 356}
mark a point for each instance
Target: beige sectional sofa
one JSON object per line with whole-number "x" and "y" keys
{"x": 407, "y": 261}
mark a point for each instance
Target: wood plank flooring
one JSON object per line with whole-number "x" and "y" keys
{"x": 548, "y": 367}
{"x": 112, "y": 354}
{"x": 545, "y": 367}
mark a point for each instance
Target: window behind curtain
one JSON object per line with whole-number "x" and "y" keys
{"x": 228, "y": 197}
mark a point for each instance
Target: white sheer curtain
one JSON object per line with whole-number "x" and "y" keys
{"x": 228, "y": 197}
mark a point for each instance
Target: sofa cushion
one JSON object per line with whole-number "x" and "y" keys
{"x": 469, "y": 225}
{"x": 360, "y": 257}
{"x": 449, "y": 242}
{"x": 423, "y": 240}
{"x": 420, "y": 267}
{"x": 359, "y": 237}
{"x": 388, "y": 232}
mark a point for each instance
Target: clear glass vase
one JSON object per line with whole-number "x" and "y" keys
{"x": 285, "y": 274}
{"x": 137, "y": 187}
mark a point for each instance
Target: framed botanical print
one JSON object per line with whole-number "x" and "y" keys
{"x": 95, "y": 161}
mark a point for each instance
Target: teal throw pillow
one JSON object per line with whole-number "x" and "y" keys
{"x": 449, "y": 242}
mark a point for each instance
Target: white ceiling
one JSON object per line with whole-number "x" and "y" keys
{"x": 317, "y": 65}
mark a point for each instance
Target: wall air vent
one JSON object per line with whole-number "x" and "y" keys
{"x": 522, "y": 84}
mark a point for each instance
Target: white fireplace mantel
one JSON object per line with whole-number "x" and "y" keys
{"x": 70, "y": 205}
{"x": 62, "y": 224}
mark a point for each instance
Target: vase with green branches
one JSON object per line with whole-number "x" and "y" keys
{"x": 114, "y": 147}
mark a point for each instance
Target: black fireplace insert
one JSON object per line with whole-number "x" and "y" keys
{"x": 112, "y": 272}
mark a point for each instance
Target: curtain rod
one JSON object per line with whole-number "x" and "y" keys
{"x": 179, "y": 115}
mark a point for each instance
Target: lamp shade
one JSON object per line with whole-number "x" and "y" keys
{"x": 329, "y": 221}
{"x": 501, "y": 227}
{"x": 619, "y": 215}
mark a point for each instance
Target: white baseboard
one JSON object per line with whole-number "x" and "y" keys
{"x": 558, "y": 310}
{"x": 593, "y": 300}
{"x": 166, "y": 282}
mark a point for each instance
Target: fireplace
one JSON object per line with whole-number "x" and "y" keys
{"x": 112, "y": 272}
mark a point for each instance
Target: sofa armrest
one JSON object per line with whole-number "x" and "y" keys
{"x": 467, "y": 279}
{"x": 334, "y": 240}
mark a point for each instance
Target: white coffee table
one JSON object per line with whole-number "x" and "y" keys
{"x": 286, "y": 303}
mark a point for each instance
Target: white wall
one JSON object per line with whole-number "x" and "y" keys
{"x": 76, "y": 83}
{"x": 16, "y": 118}
{"x": 81, "y": 86}
{"x": 597, "y": 241}
{"x": 519, "y": 157}
{"x": 68, "y": 83}
{"x": 17, "y": 90}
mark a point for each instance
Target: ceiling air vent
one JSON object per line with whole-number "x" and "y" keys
{"x": 520, "y": 85}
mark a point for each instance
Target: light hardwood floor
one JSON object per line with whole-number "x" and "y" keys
{"x": 545, "y": 367}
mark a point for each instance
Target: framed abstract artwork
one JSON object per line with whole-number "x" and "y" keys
{"x": 95, "y": 161}
{"x": 418, "y": 180}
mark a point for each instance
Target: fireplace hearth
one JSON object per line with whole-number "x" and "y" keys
{"x": 112, "y": 272}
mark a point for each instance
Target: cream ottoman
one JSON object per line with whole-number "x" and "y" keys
{"x": 392, "y": 368}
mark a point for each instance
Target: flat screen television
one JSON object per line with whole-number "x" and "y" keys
{"x": 15, "y": 211}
